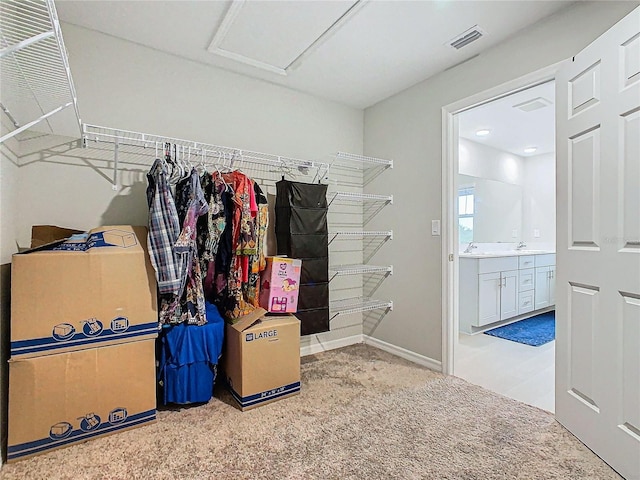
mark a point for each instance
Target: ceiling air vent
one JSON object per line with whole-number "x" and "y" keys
{"x": 535, "y": 104}
{"x": 465, "y": 38}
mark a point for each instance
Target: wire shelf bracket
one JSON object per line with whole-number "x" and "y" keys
{"x": 361, "y": 161}
{"x": 387, "y": 234}
{"x": 360, "y": 197}
{"x": 343, "y": 270}
{"x": 34, "y": 64}
{"x": 358, "y": 305}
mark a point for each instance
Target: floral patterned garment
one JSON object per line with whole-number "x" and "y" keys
{"x": 244, "y": 234}
{"x": 244, "y": 243}
{"x": 258, "y": 261}
{"x": 191, "y": 205}
{"x": 211, "y": 227}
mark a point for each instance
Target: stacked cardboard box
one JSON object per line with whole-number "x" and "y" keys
{"x": 83, "y": 324}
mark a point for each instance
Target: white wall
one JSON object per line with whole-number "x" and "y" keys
{"x": 539, "y": 205}
{"x": 9, "y": 151}
{"x": 482, "y": 161}
{"x": 124, "y": 85}
{"x": 408, "y": 128}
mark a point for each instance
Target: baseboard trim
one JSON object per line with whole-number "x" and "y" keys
{"x": 404, "y": 353}
{"x": 330, "y": 345}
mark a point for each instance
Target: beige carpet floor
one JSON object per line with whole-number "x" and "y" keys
{"x": 362, "y": 414}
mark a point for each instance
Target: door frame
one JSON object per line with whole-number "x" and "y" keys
{"x": 450, "y": 259}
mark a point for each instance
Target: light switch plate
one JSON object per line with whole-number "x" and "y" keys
{"x": 514, "y": 233}
{"x": 536, "y": 233}
{"x": 435, "y": 227}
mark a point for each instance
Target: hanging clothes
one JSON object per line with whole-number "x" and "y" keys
{"x": 211, "y": 226}
{"x": 224, "y": 256}
{"x": 244, "y": 244}
{"x": 164, "y": 229}
{"x": 191, "y": 205}
{"x": 219, "y": 250}
{"x": 257, "y": 262}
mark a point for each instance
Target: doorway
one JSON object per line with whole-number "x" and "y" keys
{"x": 499, "y": 205}
{"x": 506, "y": 245}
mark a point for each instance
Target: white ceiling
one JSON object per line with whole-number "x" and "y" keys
{"x": 375, "y": 50}
{"x": 511, "y": 129}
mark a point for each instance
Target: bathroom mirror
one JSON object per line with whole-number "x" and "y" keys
{"x": 489, "y": 210}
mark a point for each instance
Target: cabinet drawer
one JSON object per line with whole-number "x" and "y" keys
{"x": 526, "y": 261}
{"x": 526, "y": 279}
{"x": 497, "y": 264}
{"x": 545, "y": 260}
{"x": 525, "y": 302}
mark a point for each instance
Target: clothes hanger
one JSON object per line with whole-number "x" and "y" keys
{"x": 203, "y": 165}
{"x": 186, "y": 164}
{"x": 178, "y": 169}
{"x": 168, "y": 161}
{"x": 221, "y": 174}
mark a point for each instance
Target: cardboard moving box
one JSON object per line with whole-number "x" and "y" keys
{"x": 45, "y": 234}
{"x": 262, "y": 358}
{"x": 59, "y": 400}
{"x": 93, "y": 289}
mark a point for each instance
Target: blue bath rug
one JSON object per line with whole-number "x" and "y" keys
{"x": 534, "y": 331}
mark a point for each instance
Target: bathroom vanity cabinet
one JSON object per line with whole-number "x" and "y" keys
{"x": 500, "y": 287}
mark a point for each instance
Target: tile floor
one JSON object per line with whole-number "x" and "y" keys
{"x": 512, "y": 369}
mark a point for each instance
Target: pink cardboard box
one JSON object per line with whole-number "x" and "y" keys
{"x": 280, "y": 284}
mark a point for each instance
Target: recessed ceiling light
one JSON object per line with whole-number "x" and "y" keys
{"x": 530, "y": 149}
{"x": 483, "y": 133}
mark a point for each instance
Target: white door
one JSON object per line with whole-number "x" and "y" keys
{"x": 542, "y": 287}
{"x": 508, "y": 294}
{"x": 488, "y": 298}
{"x": 598, "y": 246}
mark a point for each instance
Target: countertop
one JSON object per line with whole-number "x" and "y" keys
{"x": 506, "y": 253}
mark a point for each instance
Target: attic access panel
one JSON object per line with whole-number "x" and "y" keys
{"x": 272, "y": 36}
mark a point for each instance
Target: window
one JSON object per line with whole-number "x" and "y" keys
{"x": 465, "y": 214}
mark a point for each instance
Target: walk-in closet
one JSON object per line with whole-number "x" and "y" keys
{"x": 231, "y": 231}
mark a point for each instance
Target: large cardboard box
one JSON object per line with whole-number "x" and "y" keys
{"x": 58, "y": 400}
{"x": 262, "y": 359}
{"x": 280, "y": 285}
{"x": 90, "y": 290}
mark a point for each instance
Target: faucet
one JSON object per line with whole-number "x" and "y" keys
{"x": 470, "y": 247}
{"x": 521, "y": 245}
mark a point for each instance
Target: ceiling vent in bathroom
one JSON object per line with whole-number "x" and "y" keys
{"x": 534, "y": 104}
{"x": 465, "y": 38}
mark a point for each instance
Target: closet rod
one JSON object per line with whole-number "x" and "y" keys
{"x": 96, "y": 133}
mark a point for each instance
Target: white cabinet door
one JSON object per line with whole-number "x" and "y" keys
{"x": 552, "y": 285}
{"x": 488, "y": 298}
{"x": 598, "y": 244}
{"x": 508, "y": 294}
{"x": 542, "y": 287}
